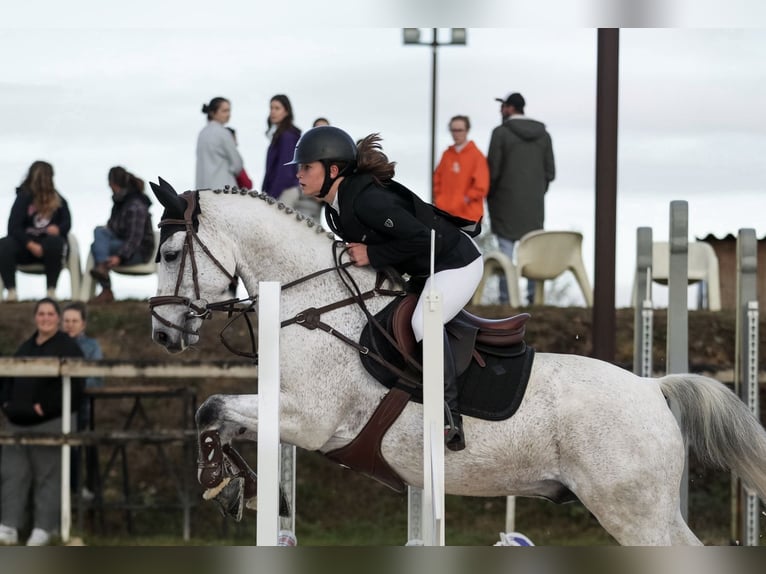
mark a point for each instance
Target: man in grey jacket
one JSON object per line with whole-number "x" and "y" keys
{"x": 521, "y": 167}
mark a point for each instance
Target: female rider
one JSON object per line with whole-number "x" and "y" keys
{"x": 386, "y": 224}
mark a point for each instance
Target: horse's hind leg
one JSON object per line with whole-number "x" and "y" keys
{"x": 681, "y": 534}
{"x": 638, "y": 501}
{"x": 640, "y": 525}
{"x": 631, "y": 513}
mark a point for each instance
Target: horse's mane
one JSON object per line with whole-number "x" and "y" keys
{"x": 289, "y": 211}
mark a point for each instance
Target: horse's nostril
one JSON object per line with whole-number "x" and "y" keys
{"x": 161, "y": 337}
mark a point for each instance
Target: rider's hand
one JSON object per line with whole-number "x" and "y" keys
{"x": 358, "y": 254}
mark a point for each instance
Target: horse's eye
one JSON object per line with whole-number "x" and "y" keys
{"x": 171, "y": 256}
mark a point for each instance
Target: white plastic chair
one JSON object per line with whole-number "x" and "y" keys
{"x": 543, "y": 255}
{"x": 499, "y": 262}
{"x": 89, "y": 284}
{"x": 702, "y": 263}
{"x": 71, "y": 264}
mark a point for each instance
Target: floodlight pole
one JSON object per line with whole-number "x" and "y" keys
{"x": 432, "y": 165}
{"x": 412, "y": 37}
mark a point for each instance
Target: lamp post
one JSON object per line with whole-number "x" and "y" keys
{"x": 458, "y": 37}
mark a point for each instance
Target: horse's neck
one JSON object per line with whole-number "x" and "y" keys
{"x": 271, "y": 245}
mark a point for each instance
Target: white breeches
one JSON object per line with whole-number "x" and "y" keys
{"x": 456, "y": 286}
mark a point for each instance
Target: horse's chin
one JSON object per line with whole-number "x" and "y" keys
{"x": 173, "y": 340}
{"x": 179, "y": 345}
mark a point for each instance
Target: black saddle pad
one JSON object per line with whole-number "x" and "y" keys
{"x": 491, "y": 392}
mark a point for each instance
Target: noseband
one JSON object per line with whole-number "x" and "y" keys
{"x": 196, "y": 308}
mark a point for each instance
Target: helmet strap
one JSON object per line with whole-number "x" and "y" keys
{"x": 328, "y": 181}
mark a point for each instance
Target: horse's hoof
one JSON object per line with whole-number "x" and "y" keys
{"x": 284, "y": 505}
{"x": 230, "y": 496}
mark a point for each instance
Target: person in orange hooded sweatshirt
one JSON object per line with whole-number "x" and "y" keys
{"x": 461, "y": 180}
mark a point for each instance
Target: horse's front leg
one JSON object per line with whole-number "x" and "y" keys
{"x": 222, "y": 471}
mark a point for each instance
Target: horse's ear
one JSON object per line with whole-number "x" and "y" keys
{"x": 165, "y": 185}
{"x": 168, "y": 197}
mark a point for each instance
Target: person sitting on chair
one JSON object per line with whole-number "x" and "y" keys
{"x": 37, "y": 229}
{"x": 387, "y": 225}
{"x": 127, "y": 238}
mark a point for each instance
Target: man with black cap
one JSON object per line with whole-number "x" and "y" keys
{"x": 521, "y": 167}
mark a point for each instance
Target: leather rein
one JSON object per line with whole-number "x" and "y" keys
{"x": 309, "y": 318}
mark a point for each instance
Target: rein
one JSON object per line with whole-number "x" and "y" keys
{"x": 309, "y": 318}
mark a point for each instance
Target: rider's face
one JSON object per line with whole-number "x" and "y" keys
{"x": 311, "y": 178}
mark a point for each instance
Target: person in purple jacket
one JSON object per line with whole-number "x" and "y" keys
{"x": 280, "y": 181}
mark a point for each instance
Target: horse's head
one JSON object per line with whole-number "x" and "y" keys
{"x": 189, "y": 274}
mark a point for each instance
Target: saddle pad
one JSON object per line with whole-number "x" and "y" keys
{"x": 491, "y": 392}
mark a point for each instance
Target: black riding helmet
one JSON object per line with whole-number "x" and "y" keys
{"x": 327, "y": 144}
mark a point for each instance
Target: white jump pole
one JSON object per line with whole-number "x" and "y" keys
{"x": 433, "y": 415}
{"x": 268, "y": 414}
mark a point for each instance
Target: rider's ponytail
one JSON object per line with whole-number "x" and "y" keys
{"x": 371, "y": 159}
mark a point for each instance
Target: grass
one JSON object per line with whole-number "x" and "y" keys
{"x": 337, "y": 507}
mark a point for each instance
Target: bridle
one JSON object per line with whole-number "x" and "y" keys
{"x": 309, "y": 318}
{"x": 197, "y": 308}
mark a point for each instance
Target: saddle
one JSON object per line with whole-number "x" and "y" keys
{"x": 492, "y": 360}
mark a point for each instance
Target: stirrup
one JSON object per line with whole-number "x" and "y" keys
{"x": 454, "y": 438}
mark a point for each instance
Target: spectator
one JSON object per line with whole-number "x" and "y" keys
{"x": 320, "y": 122}
{"x": 280, "y": 180}
{"x": 384, "y": 224}
{"x": 33, "y": 404}
{"x": 521, "y": 168}
{"x": 37, "y": 229}
{"x": 74, "y": 323}
{"x": 461, "y": 179}
{"x": 218, "y": 161}
{"x": 243, "y": 180}
{"x": 128, "y": 237}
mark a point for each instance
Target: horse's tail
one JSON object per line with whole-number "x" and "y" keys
{"x": 719, "y": 427}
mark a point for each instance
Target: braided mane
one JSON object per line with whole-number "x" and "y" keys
{"x": 297, "y": 215}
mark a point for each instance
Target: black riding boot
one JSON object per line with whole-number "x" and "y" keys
{"x": 454, "y": 437}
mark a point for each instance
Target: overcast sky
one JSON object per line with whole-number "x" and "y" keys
{"x": 691, "y": 120}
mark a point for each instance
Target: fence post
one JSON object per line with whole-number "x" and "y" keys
{"x": 643, "y": 313}
{"x": 746, "y": 369}
{"x": 678, "y": 314}
{"x": 66, "y": 428}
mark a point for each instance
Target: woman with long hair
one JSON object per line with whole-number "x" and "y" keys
{"x": 37, "y": 228}
{"x": 387, "y": 225}
{"x": 280, "y": 180}
{"x": 128, "y": 237}
{"x": 218, "y": 160}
